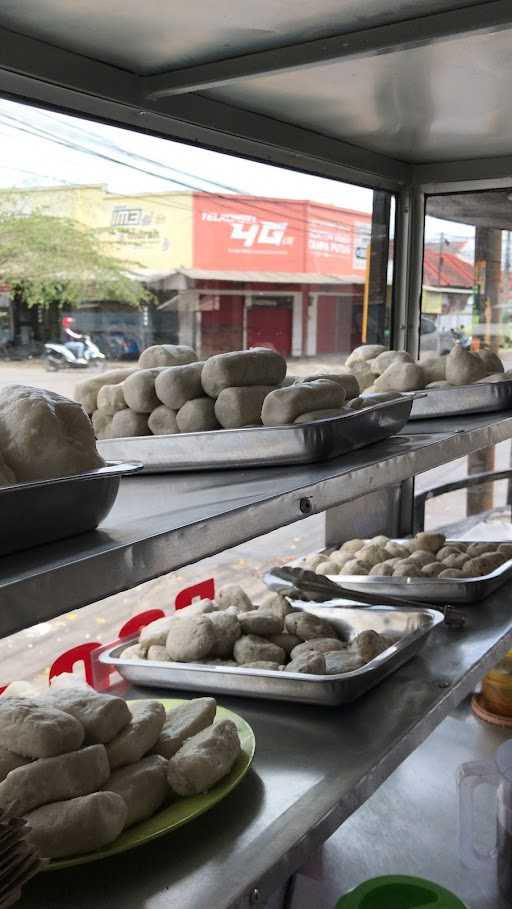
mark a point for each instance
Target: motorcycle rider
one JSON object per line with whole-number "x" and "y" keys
{"x": 76, "y": 344}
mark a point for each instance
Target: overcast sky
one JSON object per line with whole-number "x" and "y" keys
{"x": 40, "y": 148}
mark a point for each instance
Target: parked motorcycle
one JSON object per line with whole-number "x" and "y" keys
{"x": 65, "y": 356}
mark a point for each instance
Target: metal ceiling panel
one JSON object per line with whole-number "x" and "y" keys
{"x": 157, "y": 35}
{"x": 450, "y": 100}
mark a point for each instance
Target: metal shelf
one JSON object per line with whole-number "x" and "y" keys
{"x": 313, "y": 768}
{"x": 161, "y": 523}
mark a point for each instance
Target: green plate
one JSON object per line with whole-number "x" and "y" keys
{"x": 184, "y": 809}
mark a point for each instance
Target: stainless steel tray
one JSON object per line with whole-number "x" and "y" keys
{"x": 483, "y": 397}
{"x": 429, "y": 590}
{"x": 264, "y": 446}
{"x": 407, "y": 630}
{"x": 47, "y": 510}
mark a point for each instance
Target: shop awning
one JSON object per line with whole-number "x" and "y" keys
{"x": 182, "y": 278}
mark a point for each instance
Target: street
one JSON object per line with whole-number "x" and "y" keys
{"x": 29, "y": 653}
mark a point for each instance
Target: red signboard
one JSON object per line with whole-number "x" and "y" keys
{"x": 247, "y": 233}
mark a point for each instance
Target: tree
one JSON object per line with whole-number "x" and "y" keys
{"x": 47, "y": 259}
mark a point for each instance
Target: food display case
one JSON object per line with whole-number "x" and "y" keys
{"x": 407, "y": 100}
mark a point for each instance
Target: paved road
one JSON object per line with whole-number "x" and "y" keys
{"x": 30, "y": 653}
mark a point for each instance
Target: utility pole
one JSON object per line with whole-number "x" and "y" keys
{"x": 440, "y": 259}
{"x": 488, "y": 266}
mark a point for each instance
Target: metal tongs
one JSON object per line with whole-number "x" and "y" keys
{"x": 300, "y": 583}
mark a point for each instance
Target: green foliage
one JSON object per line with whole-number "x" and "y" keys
{"x": 47, "y": 259}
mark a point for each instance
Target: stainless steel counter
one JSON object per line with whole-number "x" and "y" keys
{"x": 163, "y": 522}
{"x": 313, "y": 768}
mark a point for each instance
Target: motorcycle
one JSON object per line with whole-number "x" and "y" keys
{"x": 463, "y": 339}
{"x": 63, "y": 356}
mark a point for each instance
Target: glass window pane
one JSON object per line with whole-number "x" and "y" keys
{"x": 178, "y": 244}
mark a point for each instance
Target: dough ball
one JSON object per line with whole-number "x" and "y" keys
{"x": 318, "y": 645}
{"x": 365, "y": 377}
{"x": 257, "y": 366}
{"x": 432, "y": 570}
{"x": 139, "y": 391}
{"x": 250, "y": 648}
{"x": 338, "y": 662}
{"x": 140, "y": 736}
{"x": 232, "y": 595}
{"x": 455, "y": 561}
{"x": 53, "y": 779}
{"x": 179, "y": 384}
{"x": 401, "y": 377}
{"x": 453, "y": 573}
{"x": 446, "y": 551}
{"x": 382, "y": 569}
{"x": 491, "y": 361}
{"x": 10, "y": 761}
{"x": 434, "y": 369}
{"x": 379, "y": 540}
{"x": 197, "y": 607}
{"x": 32, "y": 729}
{"x": 407, "y": 569}
{"x": 478, "y": 549}
{"x": 313, "y": 561}
{"x": 356, "y": 566}
{"x": 237, "y": 407}
{"x": 463, "y": 367}
{"x": 371, "y": 554}
{"x": 490, "y": 561}
{"x": 227, "y": 630}
{"x": 44, "y": 435}
{"x": 347, "y": 381}
{"x": 143, "y": 787}
{"x": 420, "y": 557}
{"x": 286, "y": 641}
{"x": 86, "y": 392}
{"x": 368, "y": 644}
{"x": 204, "y": 759}
{"x": 284, "y": 405}
{"x": 311, "y": 661}
{"x": 327, "y": 567}
{"x": 275, "y": 603}
{"x": 506, "y": 550}
{"x": 352, "y": 546}
{"x": 102, "y": 424}
{"x": 78, "y": 825}
{"x": 7, "y": 476}
{"x": 134, "y": 652}
{"x": 340, "y": 559}
{"x": 307, "y": 626}
{"x": 162, "y": 421}
{"x": 314, "y": 415}
{"x": 190, "y": 639}
{"x": 160, "y": 355}
{"x": 101, "y": 715}
{"x": 397, "y": 550}
{"x": 364, "y": 352}
{"x": 385, "y": 359}
{"x": 197, "y": 415}
{"x": 356, "y": 403}
{"x": 183, "y": 722}
{"x": 111, "y": 399}
{"x": 395, "y": 561}
{"x": 127, "y": 423}
{"x": 430, "y": 542}
{"x": 156, "y": 632}
{"x": 158, "y": 653}
{"x": 260, "y": 622}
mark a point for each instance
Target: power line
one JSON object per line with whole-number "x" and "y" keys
{"x": 44, "y": 134}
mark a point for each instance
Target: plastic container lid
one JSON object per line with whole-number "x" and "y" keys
{"x": 399, "y": 892}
